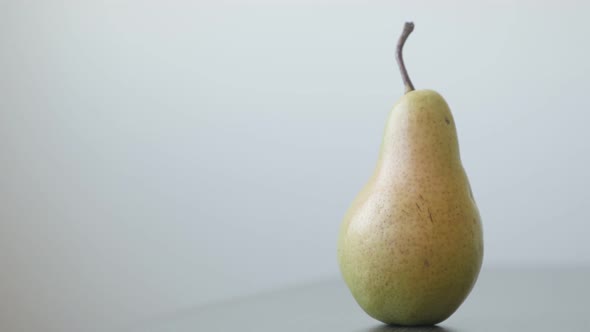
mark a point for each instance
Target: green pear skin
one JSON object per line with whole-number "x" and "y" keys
{"x": 410, "y": 247}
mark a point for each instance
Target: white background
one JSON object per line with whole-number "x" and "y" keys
{"x": 159, "y": 155}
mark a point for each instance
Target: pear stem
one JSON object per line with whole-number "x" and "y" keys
{"x": 408, "y": 28}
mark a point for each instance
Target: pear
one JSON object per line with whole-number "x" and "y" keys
{"x": 410, "y": 247}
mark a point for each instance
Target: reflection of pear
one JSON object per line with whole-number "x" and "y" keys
{"x": 411, "y": 245}
{"x": 393, "y": 328}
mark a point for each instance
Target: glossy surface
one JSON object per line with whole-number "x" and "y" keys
{"x": 502, "y": 301}
{"x": 411, "y": 244}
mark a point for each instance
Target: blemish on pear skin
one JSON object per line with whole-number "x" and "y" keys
{"x": 447, "y": 121}
{"x": 418, "y": 206}
{"x": 430, "y": 216}
{"x": 426, "y": 263}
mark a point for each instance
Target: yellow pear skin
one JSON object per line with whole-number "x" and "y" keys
{"x": 410, "y": 247}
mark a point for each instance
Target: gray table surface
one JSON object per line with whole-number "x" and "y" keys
{"x": 502, "y": 300}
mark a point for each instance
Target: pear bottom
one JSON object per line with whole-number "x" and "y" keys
{"x": 411, "y": 308}
{"x": 422, "y": 289}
